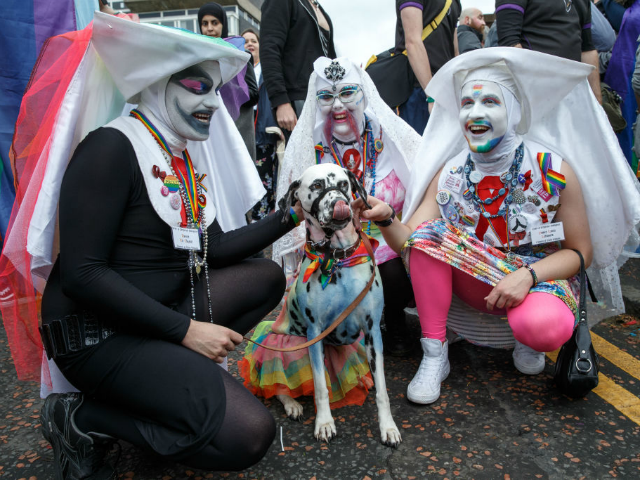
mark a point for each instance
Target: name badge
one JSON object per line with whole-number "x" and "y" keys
{"x": 547, "y": 233}
{"x": 453, "y": 183}
{"x": 186, "y": 238}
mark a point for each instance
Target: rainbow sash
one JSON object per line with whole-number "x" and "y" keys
{"x": 552, "y": 181}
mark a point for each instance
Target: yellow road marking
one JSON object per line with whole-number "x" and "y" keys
{"x": 620, "y": 359}
{"x": 624, "y": 401}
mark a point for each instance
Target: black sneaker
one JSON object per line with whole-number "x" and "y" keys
{"x": 77, "y": 455}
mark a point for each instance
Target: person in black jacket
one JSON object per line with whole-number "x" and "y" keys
{"x": 294, "y": 34}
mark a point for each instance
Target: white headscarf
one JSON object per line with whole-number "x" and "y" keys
{"x": 560, "y": 112}
{"x": 503, "y": 152}
{"x": 401, "y": 142}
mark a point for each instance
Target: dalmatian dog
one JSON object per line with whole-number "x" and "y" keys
{"x": 324, "y": 192}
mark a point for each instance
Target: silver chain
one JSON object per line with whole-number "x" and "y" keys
{"x": 194, "y": 263}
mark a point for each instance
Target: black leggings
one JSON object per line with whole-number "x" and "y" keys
{"x": 397, "y": 292}
{"x": 166, "y": 398}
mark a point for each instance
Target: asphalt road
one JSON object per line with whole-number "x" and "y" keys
{"x": 491, "y": 422}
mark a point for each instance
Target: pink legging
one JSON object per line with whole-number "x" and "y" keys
{"x": 542, "y": 321}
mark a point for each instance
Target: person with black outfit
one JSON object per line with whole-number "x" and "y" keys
{"x": 149, "y": 293}
{"x": 557, "y": 28}
{"x": 426, "y": 56}
{"x": 294, "y": 34}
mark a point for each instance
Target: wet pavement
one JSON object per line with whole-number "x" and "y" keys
{"x": 490, "y": 422}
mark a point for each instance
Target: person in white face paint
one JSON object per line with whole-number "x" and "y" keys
{"x": 149, "y": 294}
{"x": 345, "y": 122}
{"x": 483, "y": 217}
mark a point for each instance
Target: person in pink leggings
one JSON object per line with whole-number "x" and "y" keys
{"x": 485, "y": 220}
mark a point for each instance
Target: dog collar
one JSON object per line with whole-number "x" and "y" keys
{"x": 328, "y": 260}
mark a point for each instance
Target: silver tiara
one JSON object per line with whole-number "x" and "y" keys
{"x": 334, "y": 72}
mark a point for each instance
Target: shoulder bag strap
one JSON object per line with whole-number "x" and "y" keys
{"x": 428, "y": 30}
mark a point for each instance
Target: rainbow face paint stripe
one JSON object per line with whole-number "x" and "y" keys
{"x": 476, "y": 91}
{"x": 487, "y": 147}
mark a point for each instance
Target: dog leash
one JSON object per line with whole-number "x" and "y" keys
{"x": 342, "y": 316}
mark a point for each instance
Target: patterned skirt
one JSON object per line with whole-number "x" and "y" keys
{"x": 267, "y": 373}
{"x": 446, "y": 242}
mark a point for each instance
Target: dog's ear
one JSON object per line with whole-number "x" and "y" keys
{"x": 356, "y": 187}
{"x": 289, "y": 200}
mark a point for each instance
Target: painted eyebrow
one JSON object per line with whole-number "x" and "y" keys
{"x": 194, "y": 71}
{"x": 465, "y": 98}
{"x": 492, "y": 97}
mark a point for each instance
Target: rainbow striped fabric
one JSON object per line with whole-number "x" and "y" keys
{"x": 552, "y": 181}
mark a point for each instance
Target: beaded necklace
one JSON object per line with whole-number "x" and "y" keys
{"x": 193, "y": 201}
{"x": 369, "y": 157}
{"x": 509, "y": 179}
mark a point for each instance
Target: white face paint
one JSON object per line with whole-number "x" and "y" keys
{"x": 192, "y": 98}
{"x": 483, "y": 115}
{"x": 347, "y": 111}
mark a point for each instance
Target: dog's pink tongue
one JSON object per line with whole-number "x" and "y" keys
{"x": 341, "y": 210}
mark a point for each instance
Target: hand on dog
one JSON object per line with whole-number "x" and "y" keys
{"x": 299, "y": 211}
{"x": 379, "y": 211}
{"x": 212, "y": 341}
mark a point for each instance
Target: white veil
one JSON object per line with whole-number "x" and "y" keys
{"x": 300, "y": 153}
{"x": 560, "y": 112}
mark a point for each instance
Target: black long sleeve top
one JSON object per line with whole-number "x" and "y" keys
{"x": 557, "y": 28}
{"x": 290, "y": 41}
{"x": 116, "y": 254}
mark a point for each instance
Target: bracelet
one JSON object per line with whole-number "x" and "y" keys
{"x": 388, "y": 221}
{"x": 533, "y": 274}
{"x": 293, "y": 215}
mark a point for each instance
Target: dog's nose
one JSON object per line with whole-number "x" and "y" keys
{"x": 341, "y": 210}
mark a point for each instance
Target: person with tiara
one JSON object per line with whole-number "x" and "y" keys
{"x": 510, "y": 180}
{"x": 344, "y": 121}
{"x": 152, "y": 287}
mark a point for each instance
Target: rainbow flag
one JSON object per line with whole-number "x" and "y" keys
{"x": 552, "y": 181}
{"x": 25, "y": 26}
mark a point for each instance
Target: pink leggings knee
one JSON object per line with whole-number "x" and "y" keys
{"x": 542, "y": 321}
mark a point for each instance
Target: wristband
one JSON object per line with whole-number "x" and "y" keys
{"x": 388, "y": 221}
{"x": 533, "y": 274}
{"x": 293, "y": 215}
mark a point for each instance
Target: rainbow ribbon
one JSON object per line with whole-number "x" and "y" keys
{"x": 188, "y": 181}
{"x": 319, "y": 153}
{"x": 552, "y": 181}
{"x": 190, "y": 185}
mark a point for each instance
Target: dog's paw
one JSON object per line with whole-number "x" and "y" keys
{"x": 391, "y": 436}
{"x": 291, "y": 407}
{"x": 325, "y": 431}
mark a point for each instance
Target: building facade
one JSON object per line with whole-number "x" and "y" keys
{"x": 241, "y": 14}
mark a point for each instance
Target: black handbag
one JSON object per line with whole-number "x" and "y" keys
{"x": 577, "y": 364}
{"x": 393, "y": 77}
{"x": 391, "y": 72}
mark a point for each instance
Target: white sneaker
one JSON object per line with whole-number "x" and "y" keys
{"x": 527, "y": 360}
{"x": 434, "y": 368}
